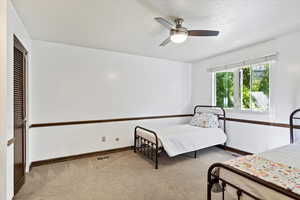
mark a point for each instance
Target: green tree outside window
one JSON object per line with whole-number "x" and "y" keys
{"x": 254, "y": 88}
{"x": 225, "y": 89}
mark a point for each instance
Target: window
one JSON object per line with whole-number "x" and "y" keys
{"x": 225, "y": 89}
{"x": 244, "y": 88}
{"x": 254, "y": 89}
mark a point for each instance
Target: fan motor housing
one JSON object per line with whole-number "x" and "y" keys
{"x": 180, "y": 30}
{"x": 178, "y": 22}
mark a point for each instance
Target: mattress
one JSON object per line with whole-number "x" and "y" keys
{"x": 288, "y": 155}
{"x": 184, "y": 138}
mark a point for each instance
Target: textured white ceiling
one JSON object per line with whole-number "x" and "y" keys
{"x": 128, "y": 25}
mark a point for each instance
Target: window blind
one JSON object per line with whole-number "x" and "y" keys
{"x": 269, "y": 58}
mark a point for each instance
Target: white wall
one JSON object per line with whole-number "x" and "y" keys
{"x": 52, "y": 142}
{"x": 3, "y": 66}
{"x": 69, "y": 83}
{"x": 284, "y": 80}
{"x": 14, "y": 27}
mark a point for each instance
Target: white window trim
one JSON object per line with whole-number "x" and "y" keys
{"x": 266, "y": 59}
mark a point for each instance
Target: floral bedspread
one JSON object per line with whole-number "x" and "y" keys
{"x": 279, "y": 174}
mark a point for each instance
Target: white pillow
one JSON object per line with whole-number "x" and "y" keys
{"x": 205, "y": 120}
{"x": 195, "y": 121}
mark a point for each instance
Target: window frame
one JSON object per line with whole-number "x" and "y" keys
{"x": 237, "y": 89}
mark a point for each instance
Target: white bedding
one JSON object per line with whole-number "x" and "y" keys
{"x": 185, "y": 138}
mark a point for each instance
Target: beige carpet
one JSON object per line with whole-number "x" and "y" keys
{"x": 123, "y": 176}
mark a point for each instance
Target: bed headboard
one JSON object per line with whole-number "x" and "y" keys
{"x": 219, "y": 111}
{"x": 295, "y": 115}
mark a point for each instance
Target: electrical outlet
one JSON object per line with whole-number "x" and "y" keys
{"x": 103, "y": 139}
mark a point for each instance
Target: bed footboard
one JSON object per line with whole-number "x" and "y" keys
{"x": 213, "y": 179}
{"x": 148, "y": 148}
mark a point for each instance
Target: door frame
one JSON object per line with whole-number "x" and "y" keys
{"x": 18, "y": 44}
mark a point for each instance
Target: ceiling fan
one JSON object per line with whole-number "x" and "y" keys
{"x": 178, "y": 33}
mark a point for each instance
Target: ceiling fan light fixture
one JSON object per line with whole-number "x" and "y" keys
{"x": 179, "y": 37}
{"x": 178, "y": 33}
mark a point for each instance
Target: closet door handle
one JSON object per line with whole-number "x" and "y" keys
{"x": 11, "y": 141}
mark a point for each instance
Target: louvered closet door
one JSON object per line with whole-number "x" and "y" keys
{"x": 19, "y": 118}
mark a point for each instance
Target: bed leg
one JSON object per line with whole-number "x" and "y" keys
{"x": 134, "y": 147}
{"x": 210, "y": 182}
{"x": 239, "y": 194}
{"x": 223, "y": 190}
{"x": 209, "y": 187}
{"x": 156, "y": 158}
{"x": 195, "y": 154}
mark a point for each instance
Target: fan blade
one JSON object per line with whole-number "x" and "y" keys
{"x": 165, "y": 42}
{"x": 203, "y": 33}
{"x": 165, "y": 23}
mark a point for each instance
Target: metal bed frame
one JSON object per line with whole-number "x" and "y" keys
{"x": 152, "y": 150}
{"x": 213, "y": 177}
{"x": 292, "y": 125}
